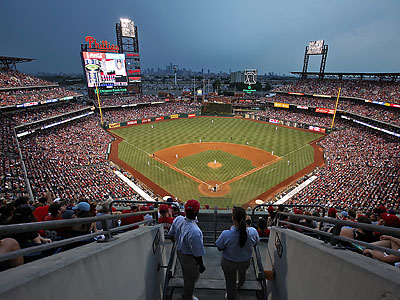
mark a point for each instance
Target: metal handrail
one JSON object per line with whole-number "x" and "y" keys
{"x": 334, "y": 235}
{"x": 27, "y": 227}
{"x": 168, "y": 274}
{"x": 286, "y": 205}
{"x": 261, "y": 270}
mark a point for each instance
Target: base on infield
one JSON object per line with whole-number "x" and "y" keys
{"x": 214, "y": 189}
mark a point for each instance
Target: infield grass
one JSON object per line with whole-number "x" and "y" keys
{"x": 141, "y": 141}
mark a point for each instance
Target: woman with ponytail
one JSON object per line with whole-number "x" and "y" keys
{"x": 236, "y": 246}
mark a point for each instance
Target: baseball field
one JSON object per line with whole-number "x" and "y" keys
{"x": 218, "y": 161}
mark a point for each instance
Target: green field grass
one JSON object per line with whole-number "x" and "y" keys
{"x": 232, "y": 165}
{"x": 289, "y": 144}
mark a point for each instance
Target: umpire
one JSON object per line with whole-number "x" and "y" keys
{"x": 190, "y": 247}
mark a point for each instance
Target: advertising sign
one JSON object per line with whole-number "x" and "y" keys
{"x": 284, "y": 105}
{"x": 325, "y": 110}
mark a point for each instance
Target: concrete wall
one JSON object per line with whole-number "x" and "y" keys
{"x": 125, "y": 268}
{"x": 309, "y": 269}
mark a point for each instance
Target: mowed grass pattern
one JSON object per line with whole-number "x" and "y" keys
{"x": 289, "y": 144}
{"x": 232, "y": 165}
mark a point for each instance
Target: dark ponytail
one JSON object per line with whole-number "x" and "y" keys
{"x": 239, "y": 215}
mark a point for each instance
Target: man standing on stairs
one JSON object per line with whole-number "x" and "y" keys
{"x": 189, "y": 239}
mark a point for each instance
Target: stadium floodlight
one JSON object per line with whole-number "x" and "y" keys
{"x": 127, "y": 28}
{"x": 315, "y": 47}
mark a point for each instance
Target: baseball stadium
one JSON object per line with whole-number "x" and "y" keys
{"x": 113, "y": 184}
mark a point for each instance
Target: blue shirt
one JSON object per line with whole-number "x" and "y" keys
{"x": 188, "y": 236}
{"x": 228, "y": 242}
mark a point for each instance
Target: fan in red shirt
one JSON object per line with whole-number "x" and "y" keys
{"x": 133, "y": 219}
{"x": 262, "y": 229}
{"x": 165, "y": 219}
{"x": 56, "y": 209}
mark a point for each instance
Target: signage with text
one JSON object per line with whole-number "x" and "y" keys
{"x": 325, "y": 110}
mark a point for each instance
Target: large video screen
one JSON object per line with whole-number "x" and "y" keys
{"x": 105, "y": 69}
{"x": 315, "y": 47}
{"x": 127, "y": 28}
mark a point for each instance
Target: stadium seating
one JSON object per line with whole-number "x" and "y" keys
{"x": 385, "y": 91}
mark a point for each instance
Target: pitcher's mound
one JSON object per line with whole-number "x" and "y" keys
{"x": 214, "y": 166}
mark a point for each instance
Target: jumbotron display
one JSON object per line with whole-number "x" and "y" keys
{"x": 315, "y": 47}
{"x": 105, "y": 69}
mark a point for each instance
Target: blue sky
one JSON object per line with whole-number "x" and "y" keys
{"x": 363, "y": 35}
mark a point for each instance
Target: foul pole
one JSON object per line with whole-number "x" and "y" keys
{"x": 98, "y": 101}
{"x": 334, "y": 115}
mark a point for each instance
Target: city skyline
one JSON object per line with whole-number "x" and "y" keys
{"x": 363, "y": 36}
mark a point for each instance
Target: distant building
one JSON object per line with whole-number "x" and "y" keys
{"x": 237, "y": 77}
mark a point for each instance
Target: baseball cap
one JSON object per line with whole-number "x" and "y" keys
{"x": 344, "y": 214}
{"x": 193, "y": 205}
{"x": 297, "y": 211}
{"x": 163, "y": 207}
{"x": 332, "y": 212}
{"x": 270, "y": 209}
{"x": 84, "y": 206}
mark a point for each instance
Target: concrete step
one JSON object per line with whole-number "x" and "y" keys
{"x": 216, "y": 294}
{"x": 215, "y": 284}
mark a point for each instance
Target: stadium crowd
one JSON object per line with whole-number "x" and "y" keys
{"x": 70, "y": 161}
{"x": 11, "y": 78}
{"x": 168, "y": 108}
{"x": 38, "y": 113}
{"x": 385, "y": 91}
{"x": 11, "y": 175}
{"x": 18, "y": 96}
{"x": 118, "y": 100}
{"x": 295, "y": 116}
{"x": 381, "y": 113}
{"x": 362, "y": 171}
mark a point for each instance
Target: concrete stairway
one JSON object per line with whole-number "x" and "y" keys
{"x": 211, "y": 284}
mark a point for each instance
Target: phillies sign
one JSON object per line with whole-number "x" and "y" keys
{"x": 101, "y": 45}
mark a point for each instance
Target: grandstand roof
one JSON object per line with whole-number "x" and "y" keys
{"x": 361, "y": 75}
{"x": 10, "y": 62}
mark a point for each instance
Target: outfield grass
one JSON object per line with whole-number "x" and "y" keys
{"x": 141, "y": 141}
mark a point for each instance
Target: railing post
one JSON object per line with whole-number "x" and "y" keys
{"x": 215, "y": 223}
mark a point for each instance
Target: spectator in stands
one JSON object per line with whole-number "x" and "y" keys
{"x": 190, "y": 247}
{"x": 56, "y": 210}
{"x": 358, "y": 233}
{"x": 42, "y": 211}
{"x": 104, "y": 211}
{"x": 165, "y": 218}
{"x": 236, "y": 246}
{"x": 6, "y": 212}
{"x": 23, "y": 214}
{"x": 133, "y": 219}
{"x": 387, "y": 242}
{"x": 82, "y": 210}
{"x": 8, "y": 245}
{"x": 262, "y": 229}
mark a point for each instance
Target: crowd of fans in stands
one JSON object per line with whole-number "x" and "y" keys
{"x": 385, "y": 91}
{"x": 128, "y": 113}
{"x": 14, "y": 97}
{"x": 11, "y": 175}
{"x": 362, "y": 170}
{"x": 34, "y": 114}
{"x": 70, "y": 161}
{"x": 377, "y": 112}
{"x": 297, "y": 116}
{"x": 118, "y": 100}
{"x": 11, "y": 78}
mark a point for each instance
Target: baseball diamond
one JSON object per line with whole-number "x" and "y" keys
{"x": 170, "y": 159}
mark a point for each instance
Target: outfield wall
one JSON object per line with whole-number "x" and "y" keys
{"x": 152, "y": 119}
